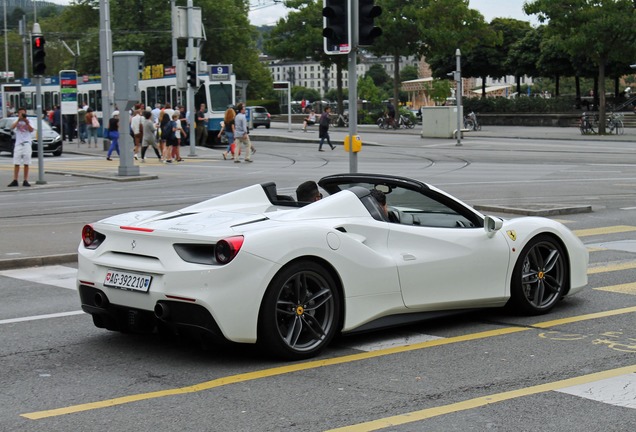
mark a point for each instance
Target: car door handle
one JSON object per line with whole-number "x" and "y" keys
{"x": 408, "y": 257}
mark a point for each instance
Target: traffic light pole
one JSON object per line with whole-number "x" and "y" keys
{"x": 38, "y": 113}
{"x": 191, "y": 109}
{"x": 353, "y": 86}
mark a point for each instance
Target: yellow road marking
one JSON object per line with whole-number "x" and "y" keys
{"x": 483, "y": 401}
{"x": 612, "y": 267}
{"x": 604, "y": 230}
{"x": 628, "y": 288}
{"x": 596, "y": 249}
{"x": 266, "y": 373}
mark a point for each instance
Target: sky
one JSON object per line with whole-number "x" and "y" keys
{"x": 489, "y": 9}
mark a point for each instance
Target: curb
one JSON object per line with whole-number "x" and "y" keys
{"x": 537, "y": 210}
{"x": 8, "y": 264}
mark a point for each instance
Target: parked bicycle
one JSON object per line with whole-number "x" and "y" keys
{"x": 406, "y": 122}
{"x": 615, "y": 123}
{"x": 588, "y": 123}
{"x": 471, "y": 122}
{"x": 340, "y": 120}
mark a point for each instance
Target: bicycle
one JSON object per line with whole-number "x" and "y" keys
{"x": 340, "y": 120}
{"x": 471, "y": 123}
{"x": 385, "y": 122}
{"x": 405, "y": 121}
{"x": 588, "y": 123}
{"x": 615, "y": 123}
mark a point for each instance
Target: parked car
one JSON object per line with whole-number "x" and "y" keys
{"x": 253, "y": 266}
{"x": 51, "y": 140}
{"x": 260, "y": 116}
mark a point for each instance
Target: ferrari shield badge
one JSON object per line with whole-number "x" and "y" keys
{"x": 512, "y": 234}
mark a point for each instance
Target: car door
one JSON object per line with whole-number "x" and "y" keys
{"x": 445, "y": 257}
{"x": 449, "y": 267}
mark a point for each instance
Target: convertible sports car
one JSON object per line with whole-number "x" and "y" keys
{"x": 253, "y": 266}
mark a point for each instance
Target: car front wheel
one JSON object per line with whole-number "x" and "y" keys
{"x": 300, "y": 312}
{"x": 540, "y": 276}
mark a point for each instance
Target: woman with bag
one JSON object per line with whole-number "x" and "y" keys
{"x": 92, "y": 124}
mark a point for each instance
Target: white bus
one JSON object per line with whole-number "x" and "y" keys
{"x": 217, "y": 95}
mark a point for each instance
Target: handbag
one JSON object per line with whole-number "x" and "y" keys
{"x": 94, "y": 121}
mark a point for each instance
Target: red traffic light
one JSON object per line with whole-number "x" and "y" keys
{"x": 38, "y": 42}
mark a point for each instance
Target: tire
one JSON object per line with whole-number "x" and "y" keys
{"x": 540, "y": 277}
{"x": 380, "y": 123}
{"x": 620, "y": 128}
{"x": 477, "y": 126}
{"x": 469, "y": 124}
{"x": 267, "y": 126}
{"x": 300, "y": 313}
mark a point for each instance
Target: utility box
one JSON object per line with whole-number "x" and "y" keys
{"x": 439, "y": 121}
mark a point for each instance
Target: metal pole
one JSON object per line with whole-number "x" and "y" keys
{"x": 289, "y": 118}
{"x": 38, "y": 113}
{"x": 6, "y": 43}
{"x": 190, "y": 91}
{"x": 106, "y": 64}
{"x": 353, "y": 85}
{"x": 174, "y": 39}
{"x": 25, "y": 44}
{"x": 458, "y": 96}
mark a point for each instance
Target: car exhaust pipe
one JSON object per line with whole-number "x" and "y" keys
{"x": 100, "y": 300}
{"x": 162, "y": 311}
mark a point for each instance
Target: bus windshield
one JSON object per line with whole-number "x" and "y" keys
{"x": 220, "y": 96}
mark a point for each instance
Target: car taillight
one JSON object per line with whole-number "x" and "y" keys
{"x": 88, "y": 235}
{"x": 269, "y": 115}
{"x": 91, "y": 238}
{"x": 226, "y": 249}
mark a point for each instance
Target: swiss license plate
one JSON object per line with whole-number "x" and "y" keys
{"x": 127, "y": 281}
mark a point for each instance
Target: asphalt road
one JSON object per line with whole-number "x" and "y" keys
{"x": 571, "y": 370}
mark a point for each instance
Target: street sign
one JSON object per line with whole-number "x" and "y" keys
{"x": 68, "y": 92}
{"x": 220, "y": 72}
{"x": 281, "y": 85}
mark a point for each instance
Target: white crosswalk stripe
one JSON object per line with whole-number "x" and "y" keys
{"x": 57, "y": 275}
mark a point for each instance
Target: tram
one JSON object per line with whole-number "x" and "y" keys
{"x": 216, "y": 90}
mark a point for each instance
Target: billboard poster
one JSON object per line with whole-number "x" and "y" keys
{"x": 68, "y": 92}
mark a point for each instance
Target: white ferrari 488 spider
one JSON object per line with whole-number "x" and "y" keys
{"x": 252, "y": 266}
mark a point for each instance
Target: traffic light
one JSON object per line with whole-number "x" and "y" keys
{"x": 37, "y": 49}
{"x": 367, "y": 12}
{"x": 336, "y": 30}
{"x": 192, "y": 74}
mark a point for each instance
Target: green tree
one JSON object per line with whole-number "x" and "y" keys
{"x": 367, "y": 90}
{"x": 299, "y": 37}
{"x": 409, "y": 73}
{"x": 378, "y": 74}
{"x": 595, "y": 29}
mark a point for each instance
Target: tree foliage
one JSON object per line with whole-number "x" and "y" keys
{"x": 145, "y": 25}
{"x": 601, "y": 31}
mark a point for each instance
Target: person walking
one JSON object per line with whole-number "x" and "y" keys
{"x": 323, "y": 128}
{"x": 229, "y": 129}
{"x": 113, "y": 134}
{"x": 92, "y": 125}
{"x": 178, "y": 133}
{"x": 149, "y": 136}
{"x": 241, "y": 135}
{"x": 136, "y": 129}
{"x": 22, "y": 148}
{"x": 201, "y": 123}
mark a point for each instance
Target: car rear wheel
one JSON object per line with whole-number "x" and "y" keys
{"x": 300, "y": 312}
{"x": 540, "y": 276}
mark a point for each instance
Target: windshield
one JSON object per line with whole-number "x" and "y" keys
{"x": 220, "y": 96}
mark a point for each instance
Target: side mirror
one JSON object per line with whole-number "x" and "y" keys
{"x": 492, "y": 224}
